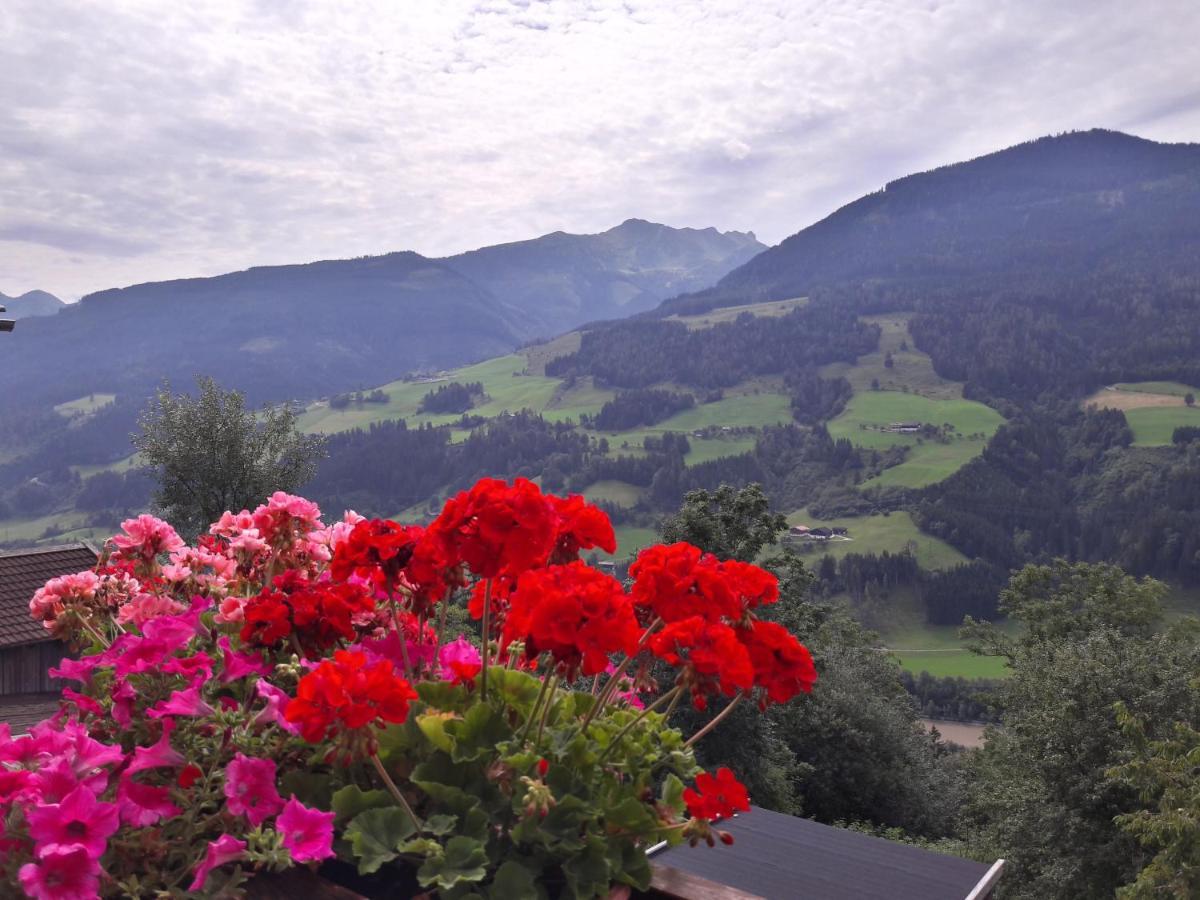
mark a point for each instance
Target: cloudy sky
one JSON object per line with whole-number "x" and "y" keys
{"x": 150, "y": 140}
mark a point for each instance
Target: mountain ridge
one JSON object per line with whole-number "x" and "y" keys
{"x": 31, "y": 304}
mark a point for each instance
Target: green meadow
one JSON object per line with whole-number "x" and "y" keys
{"x": 893, "y": 533}
{"x": 928, "y": 460}
{"x": 1152, "y": 426}
{"x": 84, "y": 406}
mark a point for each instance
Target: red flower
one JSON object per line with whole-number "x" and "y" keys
{"x": 376, "y": 549}
{"x": 577, "y": 614}
{"x": 318, "y": 614}
{"x": 581, "y": 526}
{"x": 347, "y": 692}
{"x": 783, "y": 667}
{"x": 710, "y": 653}
{"x": 497, "y": 528}
{"x": 752, "y": 585}
{"x": 678, "y": 581}
{"x": 716, "y": 797}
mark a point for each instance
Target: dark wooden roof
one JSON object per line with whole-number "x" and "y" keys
{"x": 21, "y": 711}
{"x": 22, "y": 572}
{"x": 778, "y": 856}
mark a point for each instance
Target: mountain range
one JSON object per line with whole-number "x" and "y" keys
{"x": 30, "y": 304}
{"x": 306, "y": 330}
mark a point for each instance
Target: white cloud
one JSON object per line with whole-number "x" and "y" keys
{"x": 143, "y": 140}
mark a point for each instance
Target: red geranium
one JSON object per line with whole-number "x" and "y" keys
{"x": 376, "y": 549}
{"x": 752, "y": 585}
{"x": 577, "y": 614}
{"x": 581, "y": 526}
{"x": 783, "y": 667}
{"x": 678, "y": 581}
{"x": 711, "y": 655}
{"x": 716, "y": 797}
{"x": 318, "y": 614}
{"x": 497, "y": 528}
{"x": 347, "y": 692}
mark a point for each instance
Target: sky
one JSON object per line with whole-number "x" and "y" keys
{"x": 142, "y": 141}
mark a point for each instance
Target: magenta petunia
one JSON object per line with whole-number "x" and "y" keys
{"x": 236, "y": 664}
{"x": 158, "y": 755}
{"x": 62, "y": 872}
{"x": 307, "y": 833}
{"x": 144, "y": 804}
{"x": 250, "y": 788}
{"x": 225, "y": 849}
{"x": 79, "y": 819}
{"x": 277, "y": 703}
{"x": 187, "y": 702}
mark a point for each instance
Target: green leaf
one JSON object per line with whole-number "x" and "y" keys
{"x": 672, "y": 792}
{"x": 518, "y": 690}
{"x": 352, "y": 800}
{"x": 442, "y": 695}
{"x": 464, "y": 860}
{"x": 440, "y": 824}
{"x": 587, "y": 873}
{"x": 477, "y": 733}
{"x": 309, "y": 788}
{"x": 630, "y": 814}
{"x": 513, "y": 881}
{"x": 433, "y": 726}
{"x": 376, "y": 836}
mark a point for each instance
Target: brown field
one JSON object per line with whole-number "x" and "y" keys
{"x": 1108, "y": 398}
{"x": 965, "y": 734}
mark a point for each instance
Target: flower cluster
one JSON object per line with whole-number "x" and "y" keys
{"x": 202, "y": 677}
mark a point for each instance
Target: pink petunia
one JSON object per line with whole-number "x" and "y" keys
{"x": 75, "y": 669}
{"x": 159, "y": 755}
{"x": 307, "y": 833}
{"x": 187, "y": 702}
{"x": 62, "y": 872}
{"x": 273, "y": 712}
{"x": 144, "y": 804}
{"x": 194, "y": 667}
{"x": 79, "y": 819}
{"x": 250, "y": 788}
{"x": 237, "y": 664}
{"x": 225, "y": 849}
{"x": 123, "y": 697}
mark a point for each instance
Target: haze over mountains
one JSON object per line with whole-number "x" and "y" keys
{"x": 306, "y": 330}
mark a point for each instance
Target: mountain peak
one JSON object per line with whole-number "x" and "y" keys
{"x": 30, "y": 304}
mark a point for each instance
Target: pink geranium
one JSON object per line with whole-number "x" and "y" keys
{"x": 307, "y": 833}
{"x": 225, "y": 849}
{"x": 62, "y": 872}
{"x": 250, "y": 788}
{"x": 460, "y": 661}
{"x": 145, "y": 538}
{"x": 79, "y": 819}
{"x": 58, "y": 593}
{"x": 285, "y": 516}
{"x": 141, "y": 608}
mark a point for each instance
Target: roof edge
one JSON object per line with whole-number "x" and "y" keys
{"x": 56, "y": 548}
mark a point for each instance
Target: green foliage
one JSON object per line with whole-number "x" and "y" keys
{"x": 729, "y": 523}
{"x": 492, "y": 823}
{"x": 1040, "y": 791}
{"x": 1166, "y": 775}
{"x": 211, "y": 454}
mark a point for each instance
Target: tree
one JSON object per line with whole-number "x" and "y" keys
{"x": 728, "y": 523}
{"x": 210, "y": 454}
{"x": 1189, "y": 398}
{"x": 1040, "y": 792}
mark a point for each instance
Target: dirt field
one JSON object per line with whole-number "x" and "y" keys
{"x": 1108, "y": 398}
{"x": 962, "y": 733}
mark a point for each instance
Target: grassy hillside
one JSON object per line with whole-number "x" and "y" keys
{"x": 929, "y": 460}
{"x": 893, "y": 533}
{"x": 1153, "y": 409}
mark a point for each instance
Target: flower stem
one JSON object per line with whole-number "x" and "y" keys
{"x": 487, "y": 650}
{"x": 672, "y": 695}
{"x": 546, "y": 710}
{"x": 674, "y": 703}
{"x": 611, "y": 686}
{"x": 395, "y": 791}
{"x": 441, "y": 632}
{"x": 537, "y": 704}
{"x": 408, "y": 673}
{"x": 717, "y": 720}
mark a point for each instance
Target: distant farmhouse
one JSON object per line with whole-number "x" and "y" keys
{"x": 27, "y": 693}
{"x": 903, "y": 427}
{"x": 820, "y": 533}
